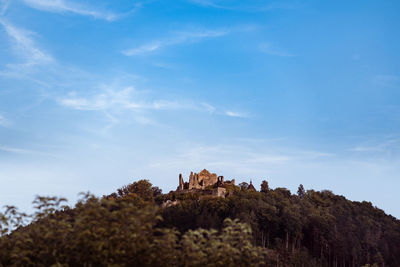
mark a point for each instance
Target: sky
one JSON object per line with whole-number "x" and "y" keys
{"x": 97, "y": 94}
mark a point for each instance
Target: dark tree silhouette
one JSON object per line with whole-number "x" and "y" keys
{"x": 264, "y": 186}
{"x": 300, "y": 191}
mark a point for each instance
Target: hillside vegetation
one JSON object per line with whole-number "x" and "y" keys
{"x": 132, "y": 227}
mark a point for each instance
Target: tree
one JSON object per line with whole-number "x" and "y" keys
{"x": 244, "y": 185}
{"x": 264, "y": 186}
{"x": 129, "y": 229}
{"x": 141, "y": 188}
{"x": 300, "y": 191}
{"x": 156, "y": 191}
{"x": 230, "y": 247}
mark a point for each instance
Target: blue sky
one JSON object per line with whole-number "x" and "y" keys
{"x": 97, "y": 94}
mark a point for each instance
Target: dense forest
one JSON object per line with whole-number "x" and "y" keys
{"x": 135, "y": 227}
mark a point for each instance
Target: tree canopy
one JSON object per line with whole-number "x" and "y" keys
{"x": 247, "y": 228}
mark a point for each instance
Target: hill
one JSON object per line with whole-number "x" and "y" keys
{"x": 139, "y": 226}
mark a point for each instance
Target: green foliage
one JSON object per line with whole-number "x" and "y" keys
{"x": 308, "y": 229}
{"x": 264, "y": 186}
{"x": 300, "y": 191}
{"x": 95, "y": 232}
{"x": 243, "y": 185}
{"x": 142, "y": 189}
{"x": 248, "y": 228}
{"x": 230, "y": 247}
{"x": 117, "y": 232}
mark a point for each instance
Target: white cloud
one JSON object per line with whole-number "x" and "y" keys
{"x": 384, "y": 146}
{"x": 361, "y": 148}
{"x": 62, "y": 6}
{"x": 16, "y": 150}
{"x": 3, "y": 121}
{"x": 122, "y": 105}
{"x": 82, "y": 103}
{"x": 23, "y": 151}
{"x": 144, "y": 49}
{"x": 207, "y": 3}
{"x": 4, "y": 6}
{"x": 119, "y": 99}
{"x": 168, "y": 105}
{"x": 114, "y": 98}
{"x": 235, "y": 114}
{"x": 106, "y": 100}
{"x": 247, "y": 6}
{"x": 218, "y": 157}
{"x": 178, "y": 38}
{"x": 25, "y": 46}
{"x": 235, "y": 157}
{"x": 163, "y": 65}
{"x": 208, "y": 107}
{"x": 269, "y": 49}
{"x": 114, "y": 101}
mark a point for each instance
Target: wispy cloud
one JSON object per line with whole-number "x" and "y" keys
{"x": 121, "y": 99}
{"x": 208, "y": 107}
{"x": 83, "y": 103}
{"x": 236, "y": 114}
{"x": 272, "y": 50}
{"x": 4, "y": 6}
{"x": 63, "y": 6}
{"x": 145, "y": 48}
{"x": 113, "y": 101}
{"x": 213, "y": 110}
{"x": 207, "y": 3}
{"x": 246, "y": 6}
{"x": 178, "y": 38}
{"x": 238, "y": 158}
{"x": 24, "y": 45}
{"x": 384, "y": 146}
{"x": 3, "y": 121}
{"x": 162, "y": 65}
{"x": 106, "y": 100}
{"x": 23, "y": 151}
{"x": 16, "y": 150}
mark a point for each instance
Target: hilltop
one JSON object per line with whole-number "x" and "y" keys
{"x": 138, "y": 225}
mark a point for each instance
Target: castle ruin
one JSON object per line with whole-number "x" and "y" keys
{"x": 204, "y": 180}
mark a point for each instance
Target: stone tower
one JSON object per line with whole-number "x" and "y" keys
{"x": 180, "y": 187}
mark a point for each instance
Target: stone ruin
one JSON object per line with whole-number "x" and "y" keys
{"x": 204, "y": 180}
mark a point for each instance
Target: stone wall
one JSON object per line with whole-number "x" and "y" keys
{"x": 200, "y": 180}
{"x": 204, "y": 180}
{"x": 219, "y": 192}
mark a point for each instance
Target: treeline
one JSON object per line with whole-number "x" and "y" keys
{"x": 328, "y": 227}
{"x": 133, "y": 227}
